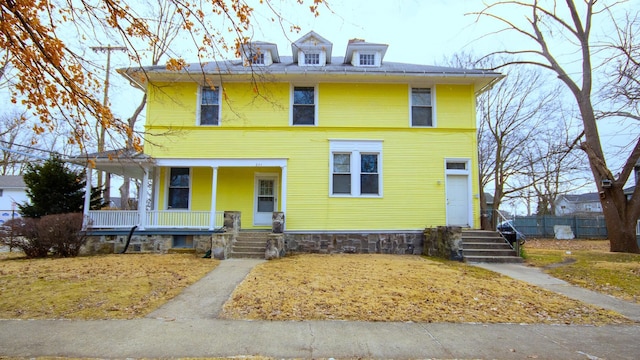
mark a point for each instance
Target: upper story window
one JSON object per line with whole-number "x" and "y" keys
{"x": 421, "y": 107}
{"x": 367, "y": 59}
{"x": 312, "y": 58}
{"x": 178, "y": 188}
{"x": 356, "y": 168}
{"x": 304, "y": 107}
{"x": 209, "y": 105}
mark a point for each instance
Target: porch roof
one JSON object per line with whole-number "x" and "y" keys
{"x": 126, "y": 162}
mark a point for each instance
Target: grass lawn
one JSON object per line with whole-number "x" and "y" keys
{"x": 589, "y": 264}
{"x": 306, "y": 287}
{"x": 398, "y": 288}
{"x": 97, "y": 287}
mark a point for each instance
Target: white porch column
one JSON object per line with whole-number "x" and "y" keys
{"x": 87, "y": 197}
{"x": 214, "y": 188}
{"x": 142, "y": 200}
{"x": 283, "y": 195}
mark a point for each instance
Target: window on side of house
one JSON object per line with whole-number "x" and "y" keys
{"x": 421, "y": 107}
{"x": 209, "y": 105}
{"x": 369, "y": 174}
{"x": 179, "y": 182}
{"x": 312, "y": 58}
{"x": 341, "y": 173}
{"x": 367, "y": 59}
{"x": 356, "y": 168}
{"x": 304, "y": 108}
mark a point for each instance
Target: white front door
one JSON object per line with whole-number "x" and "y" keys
{"x": 265, "y": 198}
{"x": 458, "y": 201}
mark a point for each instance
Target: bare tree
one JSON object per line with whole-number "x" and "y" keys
{"x": 572, "y": 24}
{"x": 14, "y": 132}
{"x": 166, "y": 26}
{"x": 55, "y": 78}
{"x": 554, "y": 166}
{"x": 510, "y": 116}
{"x": 623, "y": 90}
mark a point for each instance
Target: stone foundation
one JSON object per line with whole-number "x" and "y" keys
{"x": 357, "y": 243}
{"x": 444, "y": 242}
{"x": 151, "y": 243}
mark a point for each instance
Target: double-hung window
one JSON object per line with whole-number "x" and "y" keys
{"x": 356, "y": 168}
{"x": 421, "y": 107}
{"x": 209, "y": 105}
{"x": 341, "y": 173}
{"x": 178, "y": 188}
{"x": 304, "y": 107}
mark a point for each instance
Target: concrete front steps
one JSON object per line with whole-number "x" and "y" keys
{"x": 249, "y": 244}
{"x": 480, "y": 246}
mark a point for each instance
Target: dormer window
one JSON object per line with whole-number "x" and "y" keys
{"x": 260, "y": 53}
{"x": 367, "y": 59}
{"x": 311, "y": 50}
{"x": 312, "y": 58}
{"x": 362, "y": 53}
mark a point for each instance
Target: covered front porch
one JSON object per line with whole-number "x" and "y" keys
{"x": 189, "y": 194}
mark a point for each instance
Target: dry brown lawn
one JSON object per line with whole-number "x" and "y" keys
{"x": 98, "y": 287}
{"x": 589, "y": 264}
{"x": 398, "y": 288}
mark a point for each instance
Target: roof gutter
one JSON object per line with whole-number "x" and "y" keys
{"x": 133, "y": 82}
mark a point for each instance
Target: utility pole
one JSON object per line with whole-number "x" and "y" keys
{"x": 101, "y": 131}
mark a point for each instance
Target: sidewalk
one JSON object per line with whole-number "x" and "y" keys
{"x": 187, "y": 327}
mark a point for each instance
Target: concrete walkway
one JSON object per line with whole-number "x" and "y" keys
{"x": 187, "y": 327}
{"x": 536, "y": 276}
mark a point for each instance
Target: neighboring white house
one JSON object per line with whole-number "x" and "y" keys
{"x": 13, "y": 191}
{"x": 581, "y": 204}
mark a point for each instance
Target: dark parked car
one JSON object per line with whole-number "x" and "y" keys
{"x": 510, "y": 233}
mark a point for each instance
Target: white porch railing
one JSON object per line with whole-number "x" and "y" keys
{"x": 155, "y": 219}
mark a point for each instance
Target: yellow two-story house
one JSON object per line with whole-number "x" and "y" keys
{"x": 337, "y": 145}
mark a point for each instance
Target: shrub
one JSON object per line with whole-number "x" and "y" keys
{"x": 59, "y": 234}
{"x": 22, "y": 233}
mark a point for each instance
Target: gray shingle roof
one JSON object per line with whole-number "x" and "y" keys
{"x": 12, "y": 181}
{"x": 287, "y": 66}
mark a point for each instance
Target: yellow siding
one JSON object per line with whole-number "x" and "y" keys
{"x": 412, "y": 165}
{"x": 455, "y": 106}
{"x": 236, "y": 191}
{"x": 243, "y": 106}
{"x": 201, "y": 189}
{"x": 172, "y": 104}
{"x": 363, "y": 105}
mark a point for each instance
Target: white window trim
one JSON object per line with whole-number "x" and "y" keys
{"x": 302, "y": 57}
{"x": 355, "y": 148}
{"x": 199, "y": 105}
{"x": 434, "y": 121}
{"x": 315, "y": 104}
{"x": 466, "y": 171}
{"x": 168, "y": 186}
